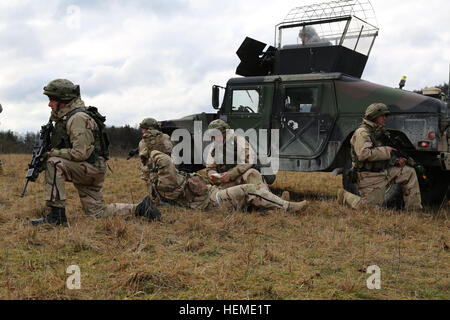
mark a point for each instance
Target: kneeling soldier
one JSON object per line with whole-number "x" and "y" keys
{"x": 77, "y": 155}
{"x": 376, "y": 165}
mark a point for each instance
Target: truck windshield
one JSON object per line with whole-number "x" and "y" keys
{"x": 245, "y": 101}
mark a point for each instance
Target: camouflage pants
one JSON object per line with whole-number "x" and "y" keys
{"x": 171, "y": 186}
{"x": 251, "y": 176}
{"x": 246, "y": 195}
{"x": 88, "y": 180}
{"x": 373, "y": 185}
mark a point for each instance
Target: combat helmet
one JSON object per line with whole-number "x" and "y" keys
{"x": 62, "y": 90}
{"x": 220, "y": 125}
{"x": 375, "y": 110}
{"x": 150, "y": 124}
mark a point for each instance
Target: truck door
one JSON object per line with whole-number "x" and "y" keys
{"x": 308, "y": 114}
{"x": 249, "y": 107}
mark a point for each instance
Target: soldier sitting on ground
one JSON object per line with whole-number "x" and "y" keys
{"x": 192, "y": 191}
{"x": 239, "y": 169}
{"x": 77, "y": 154}
{"x": 377, "y": 166}
{"x": 238, "y": 160}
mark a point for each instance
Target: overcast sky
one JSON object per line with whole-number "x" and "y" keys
{"x": 159, "y": 58}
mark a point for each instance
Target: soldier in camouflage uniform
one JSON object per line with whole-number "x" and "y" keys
{"x": 377, "y": 165}
{"x": 76, "y": 156}
{"x": 192, "y": 191}
{"x": 241, "y": 170}
{"x": 152, "y": 139}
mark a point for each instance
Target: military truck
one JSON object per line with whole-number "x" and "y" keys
{"x": 309, "y": 87}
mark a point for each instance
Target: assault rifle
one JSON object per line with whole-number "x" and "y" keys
{"x": 133, "y": 153}
{"x": 399, "y": 153}
{"x": 40, "y": 147}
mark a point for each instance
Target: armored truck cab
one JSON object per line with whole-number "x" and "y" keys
{"x": 310, "y": 90}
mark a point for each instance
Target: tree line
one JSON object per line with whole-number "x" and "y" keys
{"x": 122, "y": 139}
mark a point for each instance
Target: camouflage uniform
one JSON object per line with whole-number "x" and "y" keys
{"x": 75, "y": 156}
{"x": 172, "y": 186}
{"x": 77, "y": 165}
{"x": 242, "y": 170}
{"x": 377, "y": 170}
{"x": 244, "y": 158}
{"x": 153, "y": 139}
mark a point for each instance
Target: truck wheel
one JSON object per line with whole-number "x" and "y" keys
{"x": 434, "y": 189}
{"x": 393, "y": 198}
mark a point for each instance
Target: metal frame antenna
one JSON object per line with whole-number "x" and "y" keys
{"x": 349, "y": 23}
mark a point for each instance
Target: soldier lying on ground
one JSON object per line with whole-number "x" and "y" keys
{"x": 192, "y": 191}
{"x": 377, "y": 166}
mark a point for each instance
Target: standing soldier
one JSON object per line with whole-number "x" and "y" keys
{"x": 192, "y": 191}
{"x": 378, "y": 166}
{"x": 78, "y": 154}
{"x": 152, "y": 139}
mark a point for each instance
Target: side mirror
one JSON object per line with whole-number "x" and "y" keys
{"x": 215, "y": 97}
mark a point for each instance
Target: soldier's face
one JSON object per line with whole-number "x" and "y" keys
{"x": 144, "y": 131}
{"x": 53, "y": 105}
{"x": 220, "y": 138}
{"x": 381, "y": 120}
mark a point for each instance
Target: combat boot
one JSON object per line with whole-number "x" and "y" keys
{"x": 295, "y": 207}
{"x": 56, "y": 217}
{"x": 145, "y": 208}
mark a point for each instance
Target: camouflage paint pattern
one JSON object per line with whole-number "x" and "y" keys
{"x": 152, "y": 140}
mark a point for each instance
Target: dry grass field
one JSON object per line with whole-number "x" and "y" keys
{"x": 320, "y": 254}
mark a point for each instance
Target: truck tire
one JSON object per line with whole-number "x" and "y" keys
{"x": 393, "y": 198}
{"x": 434, "y": 190}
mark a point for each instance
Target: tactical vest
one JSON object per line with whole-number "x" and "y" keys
{"x": 226, "y": 167}
{"x": 370, "y": 166}
{"x": 155, "y": 141}
{"x": 61, "y": 140}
